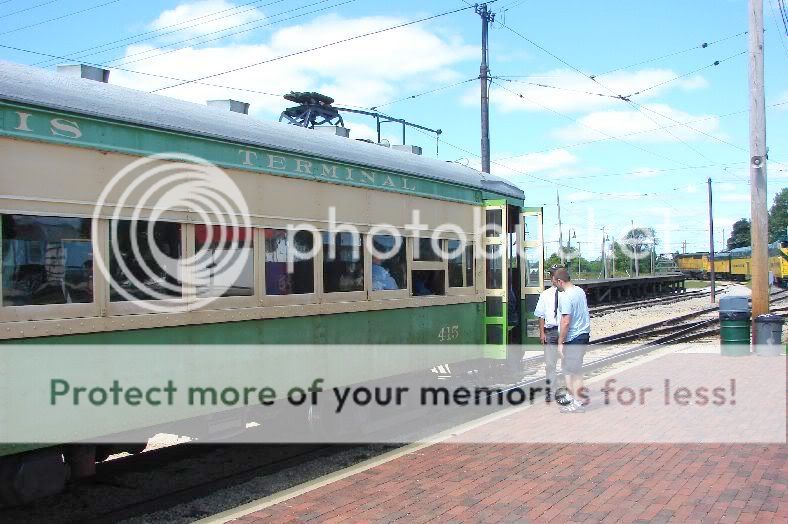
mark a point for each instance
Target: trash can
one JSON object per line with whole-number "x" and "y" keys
{"x": 768, "y": 335}
{"x": 734, "y": 326}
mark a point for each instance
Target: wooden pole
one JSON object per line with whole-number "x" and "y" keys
{"x": 711, "y": 247}
{"x": 758, "y": 211}
{"x": 484, "y": 77}
{"x": 560, "y": 230}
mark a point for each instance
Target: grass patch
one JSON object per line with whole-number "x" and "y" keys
{"x": 695, "y": 284}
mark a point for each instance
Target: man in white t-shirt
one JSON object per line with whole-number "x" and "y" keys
{"x": 547, "y": 312}
{"x": 573, "y": 335}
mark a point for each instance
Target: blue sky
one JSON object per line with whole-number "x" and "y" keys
{"x": 602, "y": 154}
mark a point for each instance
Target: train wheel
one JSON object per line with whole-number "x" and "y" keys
{"x": 25, "y": 478}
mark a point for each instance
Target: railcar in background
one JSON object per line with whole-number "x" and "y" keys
{"x": 63, "y": 140}
{"x": 735, "y": 264}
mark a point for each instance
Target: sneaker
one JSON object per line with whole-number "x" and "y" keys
{"x": 573, "y": 407}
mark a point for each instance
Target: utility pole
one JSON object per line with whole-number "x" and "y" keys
{"x": 484, "y": 76}
{"x": 723, "y": 239}
{"x": 604, "y": 258}
{"x": 560, "y": 230}
{"x": 711, "y": 247}
{"x": 613, "y": 257}
{"x": 759, "y": 216}
{"x": 684, "y": 247}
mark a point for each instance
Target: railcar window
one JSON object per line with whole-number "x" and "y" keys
{"x": 429, "y": 282}
{"x": 426, "y": 252}
{"x": 456, "y": 264}
{"x": 494, "y": 221}
{"x": 532, "y": 275}
{"x": 494, "y": 272}
{"x": 224, "y": 262}
{"x": 46, "y": 260}
{"x": 343, "y": 262}
{"x": 389, "y": 272}
{"x": 154, "y": 272}
{"x": 469, "y": 264}
{"x": 297, "y": 277}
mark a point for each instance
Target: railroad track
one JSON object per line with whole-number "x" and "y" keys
{"x": 674, "y": 329}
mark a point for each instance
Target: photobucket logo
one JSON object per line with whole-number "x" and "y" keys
{"x": 637, "y": 242}
{"x": 146, "y": 204}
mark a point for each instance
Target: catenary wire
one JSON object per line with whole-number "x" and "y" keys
{"x": 311, "y": 49}
{"x": 623, "y": 98}
{"x": 59, "y": 17}
{"x": 423, "y": 93}
{"x": 777, "y": 26}
{"x": 704, "y": 45}
{"x": 157, "y": 33}
{"x": 12, "y": 13}
{"x": 678, "y": 77}
{"x": 200, "y": 39}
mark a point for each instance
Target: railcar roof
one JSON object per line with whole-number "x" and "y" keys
{"x": 44, "y": 88}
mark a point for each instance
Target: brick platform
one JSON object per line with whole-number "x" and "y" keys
{"x": 577, "y": 483}
{"x": 484, "y": 481}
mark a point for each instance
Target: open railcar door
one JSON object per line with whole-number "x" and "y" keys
{"x": 495, "y": 281}
{"x": 532, "y": 268}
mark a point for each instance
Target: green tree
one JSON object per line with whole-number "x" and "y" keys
{"x": 740, "y": 234}
{"x": 778, "y": 216}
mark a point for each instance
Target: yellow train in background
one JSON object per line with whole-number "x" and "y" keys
{"x": 735, "y": 263}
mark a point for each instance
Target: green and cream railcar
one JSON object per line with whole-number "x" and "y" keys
{"x": 63, "y": 139}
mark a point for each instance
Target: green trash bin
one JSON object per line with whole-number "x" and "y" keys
{"x": 734, "y": 333}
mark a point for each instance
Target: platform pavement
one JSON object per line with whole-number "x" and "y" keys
{"x": 538, "y": 482}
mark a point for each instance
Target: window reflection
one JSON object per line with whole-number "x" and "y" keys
{"x": 455, "y": 264}
{"x": 295, "y": 278}
{"x": 226, "y": 267}
{"x": 344, "y": 271}
{"x": 494, "y": 272}
{"x": 426, "y": 252}
{"x": 429, "y": 282}
{"x": 150, "y": 275}
{"x": 46, "y": 260}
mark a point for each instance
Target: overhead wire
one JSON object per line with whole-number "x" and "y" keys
{"x": 777, "y": 26}
{"x": 624, "y": 98}
{"x": 159, "y": 32}
{"x": 200, "y": 39}
{"x": 26, "y": 8}
{"x": 586, "y": 142}
{"x": 143, "y": 73}
{"x": 563, "y": 115}
{"x": 678, "y": 77}
{"x": 59, "y": 17}
{"x": 703, "y": 45}
{"x": 311, "y": 49}
{"x": 548, "y": 86}
{"x": 417, "y": 95}
{"x": 552, "y": 182}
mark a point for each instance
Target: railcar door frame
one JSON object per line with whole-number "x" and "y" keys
{"x": 531, "y": 245}
{"x": 494, "y": 253}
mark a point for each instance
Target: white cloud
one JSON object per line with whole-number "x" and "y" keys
{"x": 362, "y": 72}
{"x": 734, "y": 197}
{"x": 535, "y": 162}
{"x": 581, "y": 196}
{"x": 208, "y": 16}
{"x": 575, "y": 93}
{"x": 641, "y": 125}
